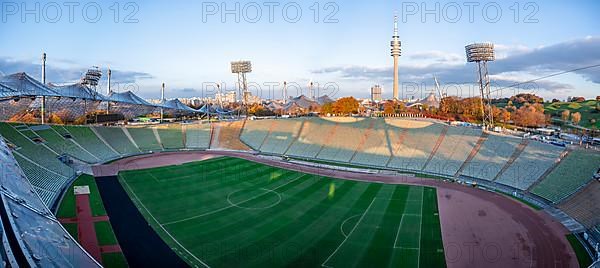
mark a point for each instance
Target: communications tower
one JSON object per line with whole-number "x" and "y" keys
{"x": 395, "y": 44}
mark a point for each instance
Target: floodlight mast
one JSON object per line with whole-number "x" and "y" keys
{"x": 241, "y": 68}
{"x": 481, "y": 53}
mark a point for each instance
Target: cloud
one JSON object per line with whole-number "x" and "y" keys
{"x": 185, "y": 92}
{"x": 437, "y": 56}
{"x": 520, "y": 65}
{"x": 503, "y": 51}
{"x": 128, "y": 76}
{"x": 558, "y": 57}
{"x": 503, "y": 83}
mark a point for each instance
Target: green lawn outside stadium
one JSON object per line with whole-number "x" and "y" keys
{"x": 228, "y": 211}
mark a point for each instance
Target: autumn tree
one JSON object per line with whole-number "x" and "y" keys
{"x": 254, "y": 108}
{"x": 80, "y": 120}
{"x": 529, "y": 116}
{"x": 400, "y": 107}
{"x": 538, "y": 107}
{"x": 504, "y": 116}
{"x": 388, "y": 107}
{"x": 576, "y": 118}
{"x": 327, "y": 108}
{"x": 565, "y": 115}
{"x": 346, "y": 105}
{"x": 526, "y": 98}
{"x": 24, "y": 118}
{"x": 55, "y": 119}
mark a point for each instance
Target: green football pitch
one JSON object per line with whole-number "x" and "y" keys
{"x": 227, "y": 212}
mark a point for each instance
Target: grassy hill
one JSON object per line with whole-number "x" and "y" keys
{"x": 586, "y": 108}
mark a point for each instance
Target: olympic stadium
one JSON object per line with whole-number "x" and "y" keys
{"x": 306, "y": 191}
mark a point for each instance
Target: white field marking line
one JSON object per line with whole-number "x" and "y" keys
{"x": 161, "y": 226}
{"x": 342, "y": 226}
{"x": 351, "y": 231}
{"x": 224, "y": 208}
{"x": 420, "y": 227}
{"x": 407, "y": 248}
{"x": 154, "y": 177}
{"x": 398, "y": 232}
{"x": 402, "y": 219}
{"x": 264, "y": 189}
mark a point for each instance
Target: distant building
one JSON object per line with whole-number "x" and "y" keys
{"x": 251, "y": 99}
{"x": 376, "y": 93}
{"x": 227, "y": 97}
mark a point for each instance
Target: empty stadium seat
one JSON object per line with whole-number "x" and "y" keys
{"x": 144, "y": 138}
{"x": 89, "y": 140}
{"x": 412, "y": 142}
{"x": 171, "y": 136}
{"x": 529, "y": 167}
{"x": 344, "y": 140}
{"x": 584, "y": 206}
{"x": 575, "y": 170}
{"x": 116, "y": 138}
{"x": 281, "y": 137}
{"x": 491, "y": 157}
{"x": 314, "y": 134}
{"x": 255, "y": 132}
{"x": 62, "y": 145}
{"x": 375, "y": 149}
{"x": 197, "y": 136}
{"x": 454, "y": 150}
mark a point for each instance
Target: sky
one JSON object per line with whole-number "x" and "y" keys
{"x": 343, "y": 47}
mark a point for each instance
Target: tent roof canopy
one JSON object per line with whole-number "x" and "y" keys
{"x": 27, "y": 86}
{"x": 128, "y": 97}
{"x": 177, "y": 105}
{"x": 77, "y": 90}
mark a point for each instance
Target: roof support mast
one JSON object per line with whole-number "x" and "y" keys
{"x": 162, "y": 98}
{"x": 108, "y": 91}
{"x": 43, "y": 109}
